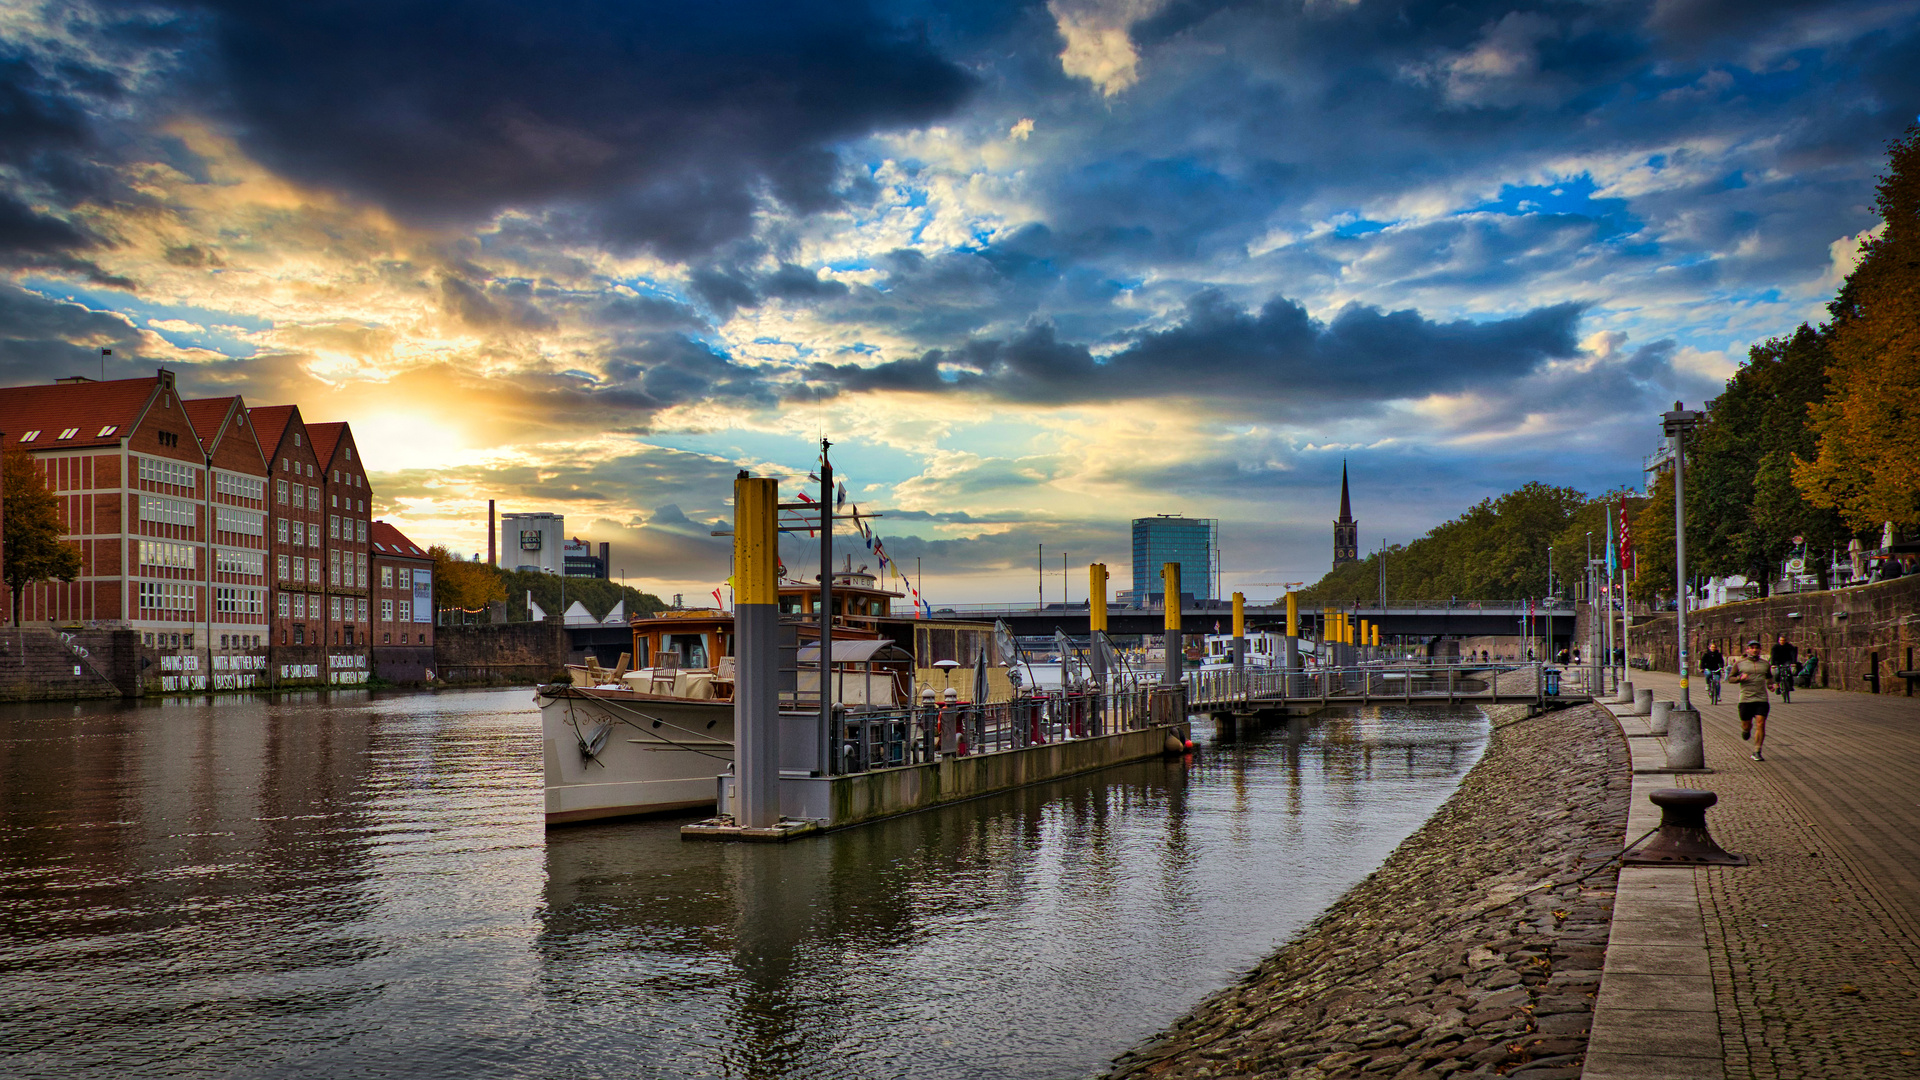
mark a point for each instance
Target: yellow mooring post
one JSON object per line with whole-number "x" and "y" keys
{"x": 1376, "y": 635}
{"x": 1293, "y": 632}
{"x": 1364, "y": 627}
{"x": 1097, "y": 620}
{"x": 756, "y": 628}
{"x": 1170, "y": 603}
{"x": 1239, "y": 631}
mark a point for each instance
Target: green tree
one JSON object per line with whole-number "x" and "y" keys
{"x": 1866, "y": 465}
{"x": 36, "y": 548}
{"x": 461, "y": 583}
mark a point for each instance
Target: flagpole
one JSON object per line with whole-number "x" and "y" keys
{"x": 1626, "y": 604}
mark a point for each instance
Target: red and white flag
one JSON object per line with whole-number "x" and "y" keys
{"x": 1626, "y": 545}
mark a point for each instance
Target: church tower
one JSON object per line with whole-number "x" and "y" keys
{"x": 1346, "y": 531}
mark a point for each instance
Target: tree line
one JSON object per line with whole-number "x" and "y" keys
{"x": 471, "y": 586}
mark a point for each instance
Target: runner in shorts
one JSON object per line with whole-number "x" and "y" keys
{"x": 1750, "y": 673}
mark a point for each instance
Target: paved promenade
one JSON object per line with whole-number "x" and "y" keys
{"x": 1812, "y": 954}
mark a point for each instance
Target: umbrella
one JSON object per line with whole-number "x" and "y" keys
{"x": 1066, "y": 657}
{"x": 1003, "y": 637}
{"x": 1856, "y": 557}
{"x": 980, "y": 677}
{"x": 1886, "y": 536}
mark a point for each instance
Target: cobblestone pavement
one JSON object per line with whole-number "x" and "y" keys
{"x": 1813, "y": 951}
{"x": 1475, "y": 950}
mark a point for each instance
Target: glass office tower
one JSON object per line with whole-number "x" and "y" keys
{"x": 1194, "y": 543}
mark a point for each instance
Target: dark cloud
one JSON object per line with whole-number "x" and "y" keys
{"x": 660, "y": 123}
{"x": 1224, "y": 352}
{"x": 42, "y": 339}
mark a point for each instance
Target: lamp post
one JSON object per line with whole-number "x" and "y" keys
{"x": 1684, "y": 749}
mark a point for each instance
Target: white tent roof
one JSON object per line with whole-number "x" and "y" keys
{"x": 578, "y": 615}
{"x": 616, "y": 617}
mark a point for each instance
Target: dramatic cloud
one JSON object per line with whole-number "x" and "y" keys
{"x": 1034, "y": 267}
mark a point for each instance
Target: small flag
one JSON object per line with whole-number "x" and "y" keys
{"x": 717, "y": 602}
{"x": 841, "y": 498}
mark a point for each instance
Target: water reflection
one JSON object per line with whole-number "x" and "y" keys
{"x": 361, "y": 884}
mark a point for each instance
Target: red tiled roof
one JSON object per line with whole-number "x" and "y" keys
{"x": 326, "y": 440}
{"x": 270, "y": 425}
{"x": 390, "y": 541}
{"x": 87, "y": 407}
{"x": 208, "y": 416}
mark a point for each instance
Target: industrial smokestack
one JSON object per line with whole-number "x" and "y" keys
{"x": 493, "y": 556}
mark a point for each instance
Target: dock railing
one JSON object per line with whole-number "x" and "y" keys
{"x": 892, "y": 738}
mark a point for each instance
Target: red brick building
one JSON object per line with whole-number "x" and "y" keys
{"x": 236, "y": 562}
{"x": 402, "y": 596}
{"x": 348, "y": 510}
{"x": 297, "y": 557}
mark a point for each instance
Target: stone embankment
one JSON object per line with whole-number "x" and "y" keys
{"x": 1475, "y": 949}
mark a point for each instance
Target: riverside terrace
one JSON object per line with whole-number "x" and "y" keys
{"x": 1500, "y": 619}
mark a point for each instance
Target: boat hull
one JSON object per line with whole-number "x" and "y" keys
{"x": 654, "y": 755}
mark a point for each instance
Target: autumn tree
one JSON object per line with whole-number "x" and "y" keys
{"x": 460, "y": 583}
{"x": 1867, "y": 462}
{"x": 36, "y": 546}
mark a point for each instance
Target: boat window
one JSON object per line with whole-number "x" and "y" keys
{"x": 790, "y": 605}
{"x": 689, "y": 649}
{"x": 640, "y": 643}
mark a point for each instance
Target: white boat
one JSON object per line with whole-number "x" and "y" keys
{"x": 1266, "y": 651}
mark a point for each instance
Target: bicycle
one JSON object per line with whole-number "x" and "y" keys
{"x": 1713, "y": 686}
{"x": 1783, "y": 681}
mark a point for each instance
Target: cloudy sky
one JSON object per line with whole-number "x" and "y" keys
{"x": 1035, "y": 268}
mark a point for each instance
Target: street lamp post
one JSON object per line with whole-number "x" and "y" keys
{"x": 1684, "y": 748}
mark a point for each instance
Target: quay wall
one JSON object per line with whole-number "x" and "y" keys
{"x": 501, "y": 654}
{"x": 1846, "y": 628}
{"x": 1475, "y": 948}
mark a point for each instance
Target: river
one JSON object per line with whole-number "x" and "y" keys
{"x": 361, "y": 885}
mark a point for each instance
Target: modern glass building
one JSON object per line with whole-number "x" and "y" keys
{"x": 1194, "y": 543}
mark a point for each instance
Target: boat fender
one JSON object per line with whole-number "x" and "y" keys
{"x": 1177, "y": 745}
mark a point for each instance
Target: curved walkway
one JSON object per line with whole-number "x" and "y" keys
{"x": 1813, "y": 952}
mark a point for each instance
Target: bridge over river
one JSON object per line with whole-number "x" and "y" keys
{"x": 1216, "y": 617}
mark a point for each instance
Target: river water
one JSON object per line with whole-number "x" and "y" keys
{"x": 361, "y": 886}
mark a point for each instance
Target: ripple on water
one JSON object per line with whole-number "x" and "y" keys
{"x": 361, "y": 884}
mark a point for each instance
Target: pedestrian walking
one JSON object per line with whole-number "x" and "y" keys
{"x": 1751, "y": 674}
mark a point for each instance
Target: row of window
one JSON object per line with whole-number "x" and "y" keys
{"x": 337, "y": 525}
{"x": 301, "y": 494}
{"x": 403, "y": 607}
{"x": 166, "y": 511}
{"x": 245, "y": 522}
{"x": 161, "y": 553}
{"x": 240, "y": 601}
{"x": 162, "y": 471}
{"x": 240, "y": 562}
{"x": 68, "y": 433}
{"x": 387, "y": 574}
{"x": 301, "y": 606}
{"x": 167, "y": 596}
{"x": 350, "y": 571}
{"x": 238, "y": 486}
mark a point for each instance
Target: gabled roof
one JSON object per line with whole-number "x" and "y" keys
{"x": 326, "y": 440}
{"x": 270, "y": 425}
{"x": 99, "y": 413}
{"x": 388, "y": 540}
{"x": 209, "y": 418}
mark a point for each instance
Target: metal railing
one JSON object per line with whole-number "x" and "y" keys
{"x": 866, "y": 741}
{"x": 1386, "y": 682}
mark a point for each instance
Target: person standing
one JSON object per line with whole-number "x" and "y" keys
{"x": 1751, "y": 673}
{"x": 1712, "y": 663}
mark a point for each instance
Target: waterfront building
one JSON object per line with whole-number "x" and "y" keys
{"x": 343, "y": 483}
{"x": 131, "y": 476}
{"x": 1194, "y": 543}
{"x": 1346, "y": 531}
{"x": 402, "y": 596}
{"x": 298, "y": 602}
{"x": 533, "y": 541}
{"x": 237, "y": 586}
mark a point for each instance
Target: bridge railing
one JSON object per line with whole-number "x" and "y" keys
{"x": 865, "y": 741}
{"x": 1404, "y": 680}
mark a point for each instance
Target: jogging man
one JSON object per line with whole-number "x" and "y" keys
{"x": 1751, "y": 673}
{"x": 1712, "y": 664}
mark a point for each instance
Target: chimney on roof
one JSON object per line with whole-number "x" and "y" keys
{"x": 493, "y": 556}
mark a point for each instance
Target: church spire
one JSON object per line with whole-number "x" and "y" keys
{"x": 1346, "y": 531}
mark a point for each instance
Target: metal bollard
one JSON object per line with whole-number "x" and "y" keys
{"x": 1684, "y": 749}
{"x": 1662, "y": 711}
{"x": 1643, "y": 703}
{"x": 1682, "y": 839}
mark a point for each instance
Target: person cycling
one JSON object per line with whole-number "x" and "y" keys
{"x": 1712, "y": 664}
{"x": 1785, "y": 660}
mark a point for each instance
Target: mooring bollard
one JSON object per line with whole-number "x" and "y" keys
{"x": 1682, "y": 839}
{"x": 1643, "y": 703}
{"x": 1684, "y": 750}
{"x": 1662, "y": 711}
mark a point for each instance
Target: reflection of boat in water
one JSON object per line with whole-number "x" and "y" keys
{"x": 652, "y": 739}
